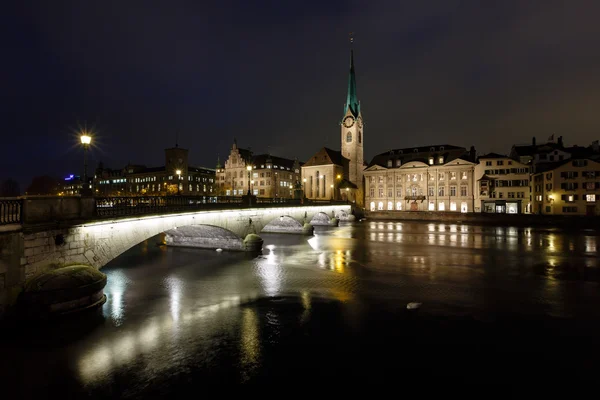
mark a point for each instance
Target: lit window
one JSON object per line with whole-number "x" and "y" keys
{"x": 380, "y": 206}
{"x": 430, "y": 160}
{"x": 372, "y": 206}
{"x": 570, "y": 197}
{"x": 398, "y": 205}
{"x": 431, "y": 206}
{"x": 390, "y": 205}
{"x": 590, "y": 197}
{"x": 441, "y": 160}
{"x": 441, "y": 206}
{"x": 452, "y": 206}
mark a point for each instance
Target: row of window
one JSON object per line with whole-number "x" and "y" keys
{"x": 575, "y": 174}
{"x": 441, "y": 206}
{"x": 590, "y": 198}
{"x": 419, "y": 177}
{"x": 510, "y": 195}
{"x": 506, "y": 171}
{"x": 418, "y": 191}
{"x": 498, "y": 162}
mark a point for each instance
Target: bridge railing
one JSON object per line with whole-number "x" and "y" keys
{"x": 11, "y": 211}
{"x": 124, "y": 206}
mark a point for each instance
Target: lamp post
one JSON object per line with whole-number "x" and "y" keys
{"x": 249, "y": 168}
{"x": 304, "y": 187}
{"x": 331, "y": 186}
{"x": 178, "y": 172}
{"x": 86, "y": 139}
{"x": 252, "y": 187}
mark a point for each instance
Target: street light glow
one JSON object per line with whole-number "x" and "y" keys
{"x": 85, "y": 139}
{"x": 249, "y": 168}
{"x": 178, "y": 172}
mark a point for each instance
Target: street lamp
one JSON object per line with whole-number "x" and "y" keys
{"x": 178, "y": 172}
{"x": 252, "y": 183}
{"x": 304, "y": 187}
{"x": 86, "y": 139}
{"x": 249, "y": 168}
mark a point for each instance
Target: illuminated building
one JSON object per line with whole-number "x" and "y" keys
{"x": 430, "y": 178}
{"x": 269, "y": 176}
{"x": 141, "y": 180}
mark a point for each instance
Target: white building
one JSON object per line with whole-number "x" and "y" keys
{"x": 502, "y": 185}
{"x": 430, "y": 178}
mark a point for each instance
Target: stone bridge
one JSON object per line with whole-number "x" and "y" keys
{"x": 55, "y": 232}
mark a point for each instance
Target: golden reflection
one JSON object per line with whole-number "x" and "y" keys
{"x": 431, "y": 227}
{"x": 453, "y": 228}
{"x": 306, "y": 303}
{"x": 250, "y": 343}
{"x": 146, "y": 338}
{"x": 174, "y": 286}
{"x": 551, "y": 240}
{"x": 431, "y": 239}
{"x": 270, "y": 273}
{"x": 590, "y": 244}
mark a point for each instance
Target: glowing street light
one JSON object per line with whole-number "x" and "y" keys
{"x": 249, "y": 169}
{"x": 86, "y": 139}
{"x": 178, "y": 172}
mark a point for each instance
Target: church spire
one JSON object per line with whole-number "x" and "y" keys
{"x": 351, "y": 99}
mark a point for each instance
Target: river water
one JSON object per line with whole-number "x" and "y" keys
{"x": 323, "y": 308}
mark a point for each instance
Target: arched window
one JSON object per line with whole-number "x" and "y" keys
{"x": 372, "y": 206}
{"x": 380, "y": 206}
{"x": 349, "y": 137}
{"x": 359, "y": 136}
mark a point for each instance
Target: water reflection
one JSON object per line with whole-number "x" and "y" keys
{"x": 195, "y": 309}
{"x": 115, "y": 307}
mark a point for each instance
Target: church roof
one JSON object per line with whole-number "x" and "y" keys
{"x": 327, "y": 156}
{"x": 352, "y": 102}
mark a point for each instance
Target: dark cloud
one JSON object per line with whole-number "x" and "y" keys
{"x": 273, "y": 74}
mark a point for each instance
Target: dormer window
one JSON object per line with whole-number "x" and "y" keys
{"x": 432, "y": 149}
{"x": 398, "y": 163}
{"x": 389, "y": 163}
{"x": 415, "y": 150}
{"x": 430, "y": 160}
{"x": 440, "y": 159}
{"x": 441, "y": 148}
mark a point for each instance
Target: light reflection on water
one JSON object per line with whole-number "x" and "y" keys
{"x": 169, "y": 310}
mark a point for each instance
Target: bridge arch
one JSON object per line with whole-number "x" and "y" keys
{"x": 204, "y": 236}
{"x": 321, "y": 218}
{"x": 283, "y": 224}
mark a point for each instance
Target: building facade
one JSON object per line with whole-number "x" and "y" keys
{"x": 569, "y": 187}
{"x": 431, "y": 178}
{"x": 176, "y": 177}
{"x": 502, "y": 185}
{"x": 263, "y": 175}
{"x": 325, "y": 177}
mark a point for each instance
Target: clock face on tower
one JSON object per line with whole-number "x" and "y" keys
{"x": 348, "y": 121}
{"x": 359, "y": 122}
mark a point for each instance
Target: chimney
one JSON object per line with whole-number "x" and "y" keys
{"x": 560, "y": 141}
{"x": 595, "y": 146}
{"x": 472, "y": 153}
{"x": 533, "y": 141}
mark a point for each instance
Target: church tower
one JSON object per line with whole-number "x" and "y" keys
{"x": 352, "y": 132}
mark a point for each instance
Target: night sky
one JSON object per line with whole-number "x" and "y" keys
{"x": 273, "y": 74}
